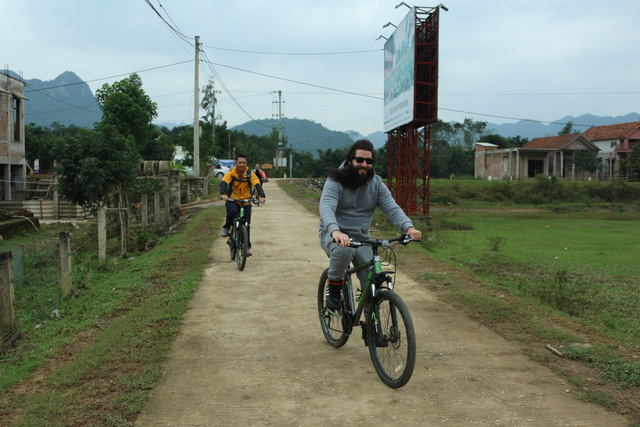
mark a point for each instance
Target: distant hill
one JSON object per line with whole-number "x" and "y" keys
{"x": 68, "y": 102}
{"x": 529, "y": 130}
{"x": 307, "y": 135}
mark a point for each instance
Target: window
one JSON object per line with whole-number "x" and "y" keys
{"x": 17, "y": 124}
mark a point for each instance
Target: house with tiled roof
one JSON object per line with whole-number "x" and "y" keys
{"x": 615, "y": 143}
{"x": 541, "y": 156}
{"x": 13, "y": 168}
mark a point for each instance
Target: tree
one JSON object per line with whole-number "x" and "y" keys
{"x": 209, "y": 102}
{"x": 159, "y": 147}
{"x": 631, "y": 166}
{"x": 504, "y": 142}
{"x": 95, "y": 163}
{"x": 587, "y": 160}
{"x": 39, "y": 142}
{"x": 567, "y": 129}
{"x": 468, "y": 132}
{"x": 127, "y": 108}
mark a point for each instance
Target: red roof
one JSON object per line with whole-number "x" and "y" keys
{"x": 619, "y": 131}
{"x": 551, "y": 142}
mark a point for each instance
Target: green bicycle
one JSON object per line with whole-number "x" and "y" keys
{"x": 387, "y": 328}
{"x": 239, "y": 235}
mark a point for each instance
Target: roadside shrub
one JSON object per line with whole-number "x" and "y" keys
{"x": 496, "y": 242}
{"x": 448, "y": 224}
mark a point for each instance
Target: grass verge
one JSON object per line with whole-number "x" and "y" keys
{"x": 95, "y": 364}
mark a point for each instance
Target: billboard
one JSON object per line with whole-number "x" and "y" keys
{"x": 399, "y": 66}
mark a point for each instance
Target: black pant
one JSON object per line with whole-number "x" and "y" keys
{"x": 232, "y": 210}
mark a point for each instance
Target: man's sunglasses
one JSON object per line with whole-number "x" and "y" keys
{"x": 369, "y": 160}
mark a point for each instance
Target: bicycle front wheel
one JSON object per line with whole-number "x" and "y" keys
{"x": 243, "y": 246}
{"x": 331, "y": 322}
{"x": 391, "y": 339}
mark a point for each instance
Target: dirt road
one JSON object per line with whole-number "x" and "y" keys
{"x": 251, "y": 352}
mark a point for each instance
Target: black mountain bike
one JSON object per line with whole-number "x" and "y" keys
{"x": 239, "y": 234}
{"x": 387, "y": 328}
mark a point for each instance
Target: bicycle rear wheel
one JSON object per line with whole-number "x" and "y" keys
{"x": 232, "y": 243}
{"x": 391, "y": 339}
{"x": 243, "y": 246}
{"x": 332, "y": 323}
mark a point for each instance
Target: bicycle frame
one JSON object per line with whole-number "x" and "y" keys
{"x": 376, "y": 277}
{"x": 238, "y": 242}
{"x": 240, "y": 216}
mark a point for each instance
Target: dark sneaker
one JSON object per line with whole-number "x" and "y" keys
{"x": 224, "y": 232}
{"x": 333, "y": 296}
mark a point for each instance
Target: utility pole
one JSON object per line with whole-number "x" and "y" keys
{"x": 280, "y": 143}
{"x": 196, "y": 118}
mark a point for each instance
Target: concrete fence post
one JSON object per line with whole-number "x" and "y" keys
{"x": 64, "y": 274}
{"x": 145, "y": 212}
{"x": 167, "y": 208}
{"x": 156, "y": 211}
{"x": 7, "y": 298}
{"x": 102, "y": 235}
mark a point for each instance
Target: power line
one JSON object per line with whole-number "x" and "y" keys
{"x": 294, "y": 81}
{"x": 108, "y": 78}
{"x": 175, "y": 30}
{"x": 295, "y": 53}
{"x": 510, "y": 118}
{"x": 226, "y": 89}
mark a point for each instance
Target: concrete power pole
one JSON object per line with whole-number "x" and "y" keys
{"x": 196, "y": 118}
{"x": 280, "y": 143}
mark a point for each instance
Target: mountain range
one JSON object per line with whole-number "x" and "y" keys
{"x": 68, "y": 100}
{"x": 532, "y": 129}
{"x": 307, "y": 135}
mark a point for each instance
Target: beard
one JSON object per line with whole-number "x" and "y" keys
{"x": 350, "y": 176}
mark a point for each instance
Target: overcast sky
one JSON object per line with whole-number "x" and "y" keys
{"x": 500, "y": 60}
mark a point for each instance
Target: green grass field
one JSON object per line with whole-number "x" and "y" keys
{"x": 583, "y": 265}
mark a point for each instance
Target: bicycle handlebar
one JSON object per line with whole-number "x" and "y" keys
{"x": 253, "y": 200}
{"x": 404, "y": 239}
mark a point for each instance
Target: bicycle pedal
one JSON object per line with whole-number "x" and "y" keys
{"x": 363, "y": 325}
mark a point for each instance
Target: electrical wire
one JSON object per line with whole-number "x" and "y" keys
{"x": 108, "y": 78}
{"x": 511, "y": 118}
{"x": 294, "y": 53}
{"x": 294, "y": 81}
{"x": 226, "y": 89}
{"x": 171, "y": 27}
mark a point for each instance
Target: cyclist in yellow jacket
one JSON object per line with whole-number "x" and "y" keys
{"x": 237, "y": 184}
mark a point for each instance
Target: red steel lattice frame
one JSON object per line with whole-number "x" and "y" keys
{"x": 409, "y": 146}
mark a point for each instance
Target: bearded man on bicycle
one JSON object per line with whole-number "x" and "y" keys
{"x": 349, "y": 199}
{"x": 237, "y": 184}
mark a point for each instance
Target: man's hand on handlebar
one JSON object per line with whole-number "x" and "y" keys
{"x": 340, "y": 238}
{"x": 414, "y": 234}
{"x": 262, "y": 200}
{"x": 224, "y": 197}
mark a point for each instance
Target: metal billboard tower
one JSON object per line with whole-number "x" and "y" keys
{"x": 409, "y": 144}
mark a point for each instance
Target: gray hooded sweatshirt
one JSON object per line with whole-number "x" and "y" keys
{"x": 350, "y": 210}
